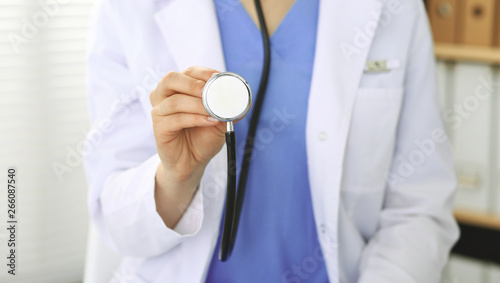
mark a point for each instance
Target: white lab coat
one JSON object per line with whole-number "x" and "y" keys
{"x": 374, "y": 226}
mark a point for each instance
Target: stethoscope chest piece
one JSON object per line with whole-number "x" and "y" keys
{"x": 227, "y": 96}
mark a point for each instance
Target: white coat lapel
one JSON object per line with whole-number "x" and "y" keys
{"x": 191, "y": 32}
{"x": 345, "y": 32}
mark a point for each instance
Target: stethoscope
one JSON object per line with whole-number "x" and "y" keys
{"x": 227, "y": 97}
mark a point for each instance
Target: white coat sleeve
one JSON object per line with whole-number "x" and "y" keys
{"x": 120, "y": 153}
{"x": 416, "y": 226}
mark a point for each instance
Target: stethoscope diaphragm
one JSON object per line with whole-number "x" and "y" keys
{"x": 227, "y": 96}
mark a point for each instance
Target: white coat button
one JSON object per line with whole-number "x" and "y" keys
{"x": 322, "y": 228}
{"x": 322, "y": 136}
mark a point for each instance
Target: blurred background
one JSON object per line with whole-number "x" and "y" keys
{"x": 467, "y": 48}
{"x": 43, "y": 122}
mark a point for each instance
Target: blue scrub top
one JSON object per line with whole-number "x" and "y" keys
{"x": 277, "y": 239}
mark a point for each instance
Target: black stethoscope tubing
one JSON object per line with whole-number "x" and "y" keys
{"x": 234, "y": 202}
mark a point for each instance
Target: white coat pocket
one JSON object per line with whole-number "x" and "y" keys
{"x": 372, "y": 137}
{"x": 368, "y": 156}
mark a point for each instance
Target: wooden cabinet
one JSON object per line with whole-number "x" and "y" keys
{"x": 476, "y": 20}
{"x": 465, "y": 22}
{"x": 443, "y": 18}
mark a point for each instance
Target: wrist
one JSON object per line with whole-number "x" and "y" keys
{"x": 172, "y": 197}
{"x": 175, "y": 186}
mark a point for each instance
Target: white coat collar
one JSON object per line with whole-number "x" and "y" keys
{"x": 191, "y": 32}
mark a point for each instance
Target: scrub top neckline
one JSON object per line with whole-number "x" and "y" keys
{"x": 255, "y": 27}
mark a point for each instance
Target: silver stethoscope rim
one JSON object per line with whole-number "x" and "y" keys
{"x": 205, "y": 96}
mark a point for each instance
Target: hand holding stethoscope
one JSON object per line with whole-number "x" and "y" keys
{"x": 187, "y": 139}
{"x": 186, "y": 136}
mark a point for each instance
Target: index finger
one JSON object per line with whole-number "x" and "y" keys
{"x": 190, "y": 81}
{"x": 200, "y": 73}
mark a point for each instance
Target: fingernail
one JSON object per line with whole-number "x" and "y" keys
{"x": 212, "y": 119}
